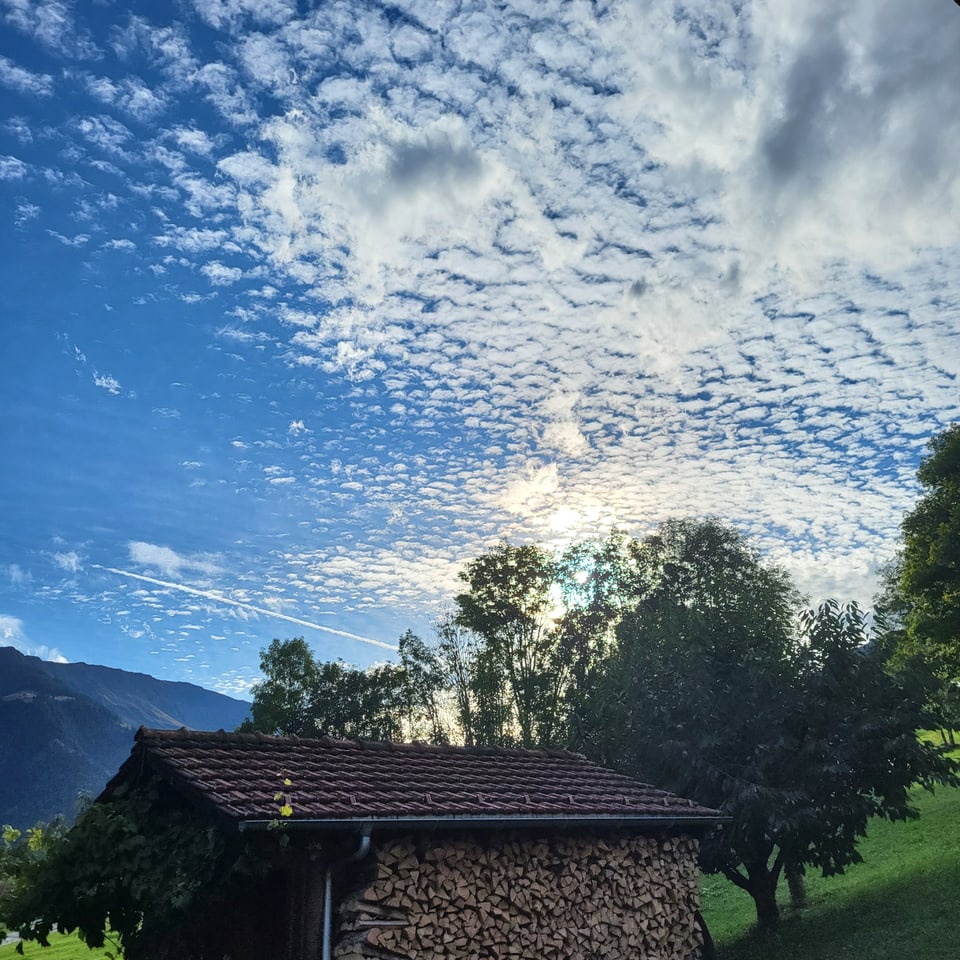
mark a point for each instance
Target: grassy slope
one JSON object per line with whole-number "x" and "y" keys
{"x": 900, "y": 902}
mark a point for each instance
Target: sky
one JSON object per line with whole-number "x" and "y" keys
{"x": 306, "y": 304}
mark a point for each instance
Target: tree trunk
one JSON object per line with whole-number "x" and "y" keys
{"x": 765, "y": 898}
{"x": 709, "y": 950}
{"x": 796, "y": 885}
{"x": 760, "y": 881}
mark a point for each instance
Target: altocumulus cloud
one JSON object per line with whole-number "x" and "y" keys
{"x": 525, "y": 271}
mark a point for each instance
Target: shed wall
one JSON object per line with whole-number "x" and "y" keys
{"x": 504, "y": 895}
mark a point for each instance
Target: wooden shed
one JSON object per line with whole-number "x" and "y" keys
{"x": 407, "y": 851}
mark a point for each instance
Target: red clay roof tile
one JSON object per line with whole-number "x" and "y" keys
{"x": 243, "y": 776}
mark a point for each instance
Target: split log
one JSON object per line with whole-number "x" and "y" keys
{"x": 508, "y": 896}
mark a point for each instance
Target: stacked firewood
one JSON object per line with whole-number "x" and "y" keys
{"x": 502, "y": 896}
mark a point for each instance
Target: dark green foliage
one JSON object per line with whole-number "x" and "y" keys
{"x": 132, "y": 866}
{"x": 301, "y": 697}
{"x": 930, "y": 575}
{"x": 148, "y": 874}
{"x": 797, "y": 733}
{"x": 20, "y": 853}
{"x": 900, "y": 902}
{"x": 919, "y": 606}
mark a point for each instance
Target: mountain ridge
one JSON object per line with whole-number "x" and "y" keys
{"x": 65, "y": 728}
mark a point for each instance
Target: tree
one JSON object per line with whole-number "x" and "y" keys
{"x": 924, "y": 591}
{"x": 142, "y": 871}
{"x": 301, "y": 697}
{"x": 20, "y": 856}
{"x": 424, "y": 681}
{"x": 283, "y": 700}
{"x": 931, "y": 546}
{"x": 510, "y": 602}
{"x": 476, "y": 689}
{"x": 715, "y": 690}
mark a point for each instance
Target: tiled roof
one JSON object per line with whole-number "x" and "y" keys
{"x": 241, "y": 775}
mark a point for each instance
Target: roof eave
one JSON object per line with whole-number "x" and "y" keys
{"x": 482, "y": 821}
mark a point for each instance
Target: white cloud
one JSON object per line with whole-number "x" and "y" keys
{"x": 221, "y": 275}
{"x": 17, "y": 576}
{"x": 12, "y": 168}
{"x": 69, "y": 561}
{"x": 191, "y": 138}
{"x": 12, "y": 634}
{"x": 226, "y": 13}
{"x": 130, "y": 94}
{"x": 107, "y": 382}
{"x": 51, "y": 23}
{"x": 18, "y": 78}
{"x": 168, "y": 562}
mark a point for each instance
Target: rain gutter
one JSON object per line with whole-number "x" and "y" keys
{"x": 479, "y": 821}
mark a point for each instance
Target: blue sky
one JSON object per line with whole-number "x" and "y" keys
{"x": 306, "y": 304}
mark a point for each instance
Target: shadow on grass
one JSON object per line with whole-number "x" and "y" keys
{"x": 914, "y": 917}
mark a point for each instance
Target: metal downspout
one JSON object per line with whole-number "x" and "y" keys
{"x": 358, "y": 854}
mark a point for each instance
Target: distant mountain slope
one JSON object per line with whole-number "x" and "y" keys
{"x": 142, "y": 700}
{"x": 66, "y": 728}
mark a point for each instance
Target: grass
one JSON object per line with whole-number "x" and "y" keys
{"x": 900, "y": 902}
{"x": 61, "y": 948}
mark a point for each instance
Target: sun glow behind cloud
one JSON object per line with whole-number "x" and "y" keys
{"x": 334, "y": 299}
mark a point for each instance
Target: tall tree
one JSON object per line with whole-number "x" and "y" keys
{"x": 931, "y": 546}
{"x": 424, "y": 682}
{"x": 283, "y": 700}
{"x": 924, "y": 591}
{"x": 717, "y": 691}
{"x": 511, "y": 602}
{"x": 477, "y": 689}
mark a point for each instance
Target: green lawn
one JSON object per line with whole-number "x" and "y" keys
{"x": 61, "y": 948}
{"x": 901, "y": 902}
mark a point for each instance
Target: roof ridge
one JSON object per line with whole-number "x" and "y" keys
{"x": 185, "y": 733}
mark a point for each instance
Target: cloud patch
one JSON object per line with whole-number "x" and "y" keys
{"x": 168, "y": 562}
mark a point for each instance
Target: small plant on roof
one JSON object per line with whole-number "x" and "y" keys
{"x": 283, "y": 798}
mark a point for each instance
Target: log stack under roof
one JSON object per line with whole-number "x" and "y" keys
{"x": 503, "y": 895}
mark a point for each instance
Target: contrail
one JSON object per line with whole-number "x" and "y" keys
{"x": 210, "y": 595}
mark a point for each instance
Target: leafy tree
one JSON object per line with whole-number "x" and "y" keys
{"x": 475, "y": 687}
{"x": 455, "y": 651}
{"x": 301, "y": 697}
{"x": 930, "y": 574}
{"x": 20, "y": 855}
{"x": 283, "y": 700}
{"x": 793, "y": 728}
{"x": 511, "y": 604}
{"x": 142, "y": 872}
{"x": 423, "y": 686}
{"x": 920, "y": 662}
{"x": 919, "y": 604}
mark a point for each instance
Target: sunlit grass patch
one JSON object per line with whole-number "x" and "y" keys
{"x": 900, "y": 902}
{"x": 61, "y": 948}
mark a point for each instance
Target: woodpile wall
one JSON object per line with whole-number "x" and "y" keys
{"x": 504, "y": 895}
